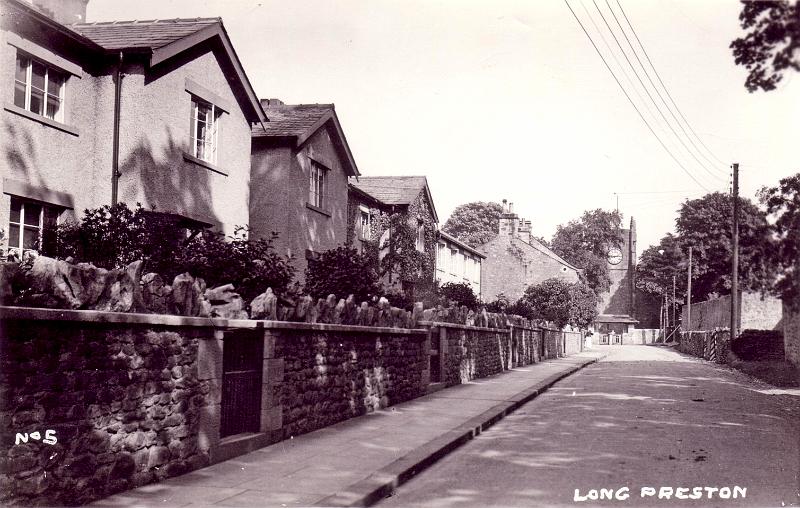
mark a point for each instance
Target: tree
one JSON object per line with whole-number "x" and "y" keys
{"x": 772, "y": 44}
{"x": 343, "y": 271}
{"x": 474, "y": 223}
{"x": 658, "y": 264}
{"x": 705, "y": 224}
{"x": 585, "y": 243}
{"x": 560, "y": 303}
{"x": 783, "y": 204}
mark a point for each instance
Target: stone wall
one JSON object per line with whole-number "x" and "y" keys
{"x": 332, "y": 376}
{"x": 709, "y": 345}
{"x": 757, "y": 313}
{"x": 791, "y": 334}
{"x": 124, "y": 402}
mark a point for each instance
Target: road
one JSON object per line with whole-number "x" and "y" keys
{"x": 644, "y": 417}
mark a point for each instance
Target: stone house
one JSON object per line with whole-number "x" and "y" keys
{"x": 374, "y": 199}
{"x": 457, "y": 262}
{"x": 157, "y": 112}
{"x": 515, "y": 259}
{"x": 299, "y": 180}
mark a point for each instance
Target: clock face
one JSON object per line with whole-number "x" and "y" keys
{"x": 614, "y": 256}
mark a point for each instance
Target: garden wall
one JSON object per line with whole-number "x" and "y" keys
{"x": 757, "y": 312}
{"x": 791, "y": 334}
{"x": 93, "y": 403}
{"x": 709, "y": 345}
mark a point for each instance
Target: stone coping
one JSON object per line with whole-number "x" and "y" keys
{"x": 509, "y": 326}
{"x": 95, "y": 316}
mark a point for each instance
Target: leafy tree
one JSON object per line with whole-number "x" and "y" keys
{"x": 343, "y": 271}
{"x": 782, "y": 202}
{"x": 460, "y": 293}
{"x": 402, "y": 259}
{"x": 772, "y": 43}
{"x": 474, "y": 223}
{"x": 705, "y": 224}
{"x": 585, "y": 243}
{"x": 561, "y": 303}
{"x": 658, "y": 264}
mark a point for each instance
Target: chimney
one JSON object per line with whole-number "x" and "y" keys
{"x": 265, "y": 103}
{"x": 508, "y": 220}
{"x": 66, "y": 12}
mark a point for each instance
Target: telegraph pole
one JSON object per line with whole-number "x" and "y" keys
{"x": 688, "y": 324}
{"x": 674, "y": 309}
{"x": 735, "y": 256}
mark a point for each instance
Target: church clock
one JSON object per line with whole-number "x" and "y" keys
{"x": 614, "y": 256}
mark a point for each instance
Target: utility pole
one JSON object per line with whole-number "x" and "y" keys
{"x": 735, "y": 256}
{"x": 688, "y": 324}
{"x": 674, "y": 309}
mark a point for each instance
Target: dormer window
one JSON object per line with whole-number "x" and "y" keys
{"x": 39, "y": 88}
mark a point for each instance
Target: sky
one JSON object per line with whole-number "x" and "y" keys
{"x": 508, "y": 99}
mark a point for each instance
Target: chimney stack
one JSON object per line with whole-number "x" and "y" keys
{"x": 66, "y": 12}
{"x": 508, "y": 220}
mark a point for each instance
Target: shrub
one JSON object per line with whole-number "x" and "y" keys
{"x": 560, "y": 302}
{"x": 343, "y": 271}
{"x": 460, "y": 293}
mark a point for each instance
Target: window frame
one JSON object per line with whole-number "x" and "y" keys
{"x": 364, "y": 234}
{"x": 317, "y": 176}
{"x": 49, "y": 70}
{"x": 41, "y": 225}
{"x": 215, "y": 114}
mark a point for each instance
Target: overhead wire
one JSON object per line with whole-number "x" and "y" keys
{"x": 666, "y": 90}
{"x": 688, "y": 173}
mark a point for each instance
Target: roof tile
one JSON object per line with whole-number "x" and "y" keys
{"x": 150, "y": 34}
{"x": 392, "y": 190}
{"x": 291, "y": 120}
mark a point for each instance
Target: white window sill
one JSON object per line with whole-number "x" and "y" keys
{"x": 200, "y": 162}
{"x": 13, "y": 108}
{"x": 318, "y": 209}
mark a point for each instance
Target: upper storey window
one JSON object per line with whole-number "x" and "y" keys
{"x": 39, "y": 88}
{"x": 205, "y": 130}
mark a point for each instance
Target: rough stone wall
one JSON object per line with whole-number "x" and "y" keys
{"x": 709, "y": 345}
{"x": 791, "y": 334}
{"x": 757, "y": 313}
{"x": 329, "y": 377}
{"x": 124, "y": 402}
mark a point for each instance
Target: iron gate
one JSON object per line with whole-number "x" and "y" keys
{"x": 242, "y": 359}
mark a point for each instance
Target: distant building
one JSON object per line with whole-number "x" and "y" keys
{"x": 616, "y": 309}
{"x": 457, "y": 262}
{"x": 515, "y": 259}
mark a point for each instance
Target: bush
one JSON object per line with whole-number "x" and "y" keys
{"x": 560, "y": 303}
{"x": 114, "y": 236}
{"x": 460, "y": 293}
{"x": 343, "y": 271}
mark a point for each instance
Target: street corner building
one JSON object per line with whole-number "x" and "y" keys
{"x": 155, "y": 112}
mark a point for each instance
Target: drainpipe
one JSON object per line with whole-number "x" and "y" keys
{"x": 115, "y": 174}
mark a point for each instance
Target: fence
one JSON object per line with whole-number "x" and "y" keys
{"x": 711, "y": 345}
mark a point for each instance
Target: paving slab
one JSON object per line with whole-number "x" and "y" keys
{"x": 361, "y": 460}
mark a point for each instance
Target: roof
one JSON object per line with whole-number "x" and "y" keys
{"x": 615, "y": 318}
{"x": 151, "y": 34}
{"x": 536, "y": 244}
{"x": 34, "y": 12}
{"x": 300, "y": 122}
{"x": 456, "y": 241}
{"x": 395, "y": 190}
{"x": 163, "y": 39}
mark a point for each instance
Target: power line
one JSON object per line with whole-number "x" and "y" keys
{"x": 658, "y": 76}
{"x": 689, "y": 174}
{"x": 649, "y": 95}
{"x": 647, "y": 75}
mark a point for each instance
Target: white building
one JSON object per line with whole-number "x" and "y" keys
{"x": 458, "y": 262}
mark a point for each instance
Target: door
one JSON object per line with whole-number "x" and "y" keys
{"x": 242, "y": 360}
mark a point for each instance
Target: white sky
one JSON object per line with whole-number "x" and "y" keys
{"x": 508, "y": 99}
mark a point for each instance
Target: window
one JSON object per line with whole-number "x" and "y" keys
{"x": 205, "y": 130}
{"x": 420, "y": 244}
{"x": 30, "y": 225}
{"x": 316, "y": 189}
{"x": 441, "y": 257}
{"x": 365, "y": 222}
{"x": 39, "y": 88}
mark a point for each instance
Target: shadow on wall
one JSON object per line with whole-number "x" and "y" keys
{"x": 619, "y": 303}
{"x": 21, "y": 154}
{"x": 169, "y": 183}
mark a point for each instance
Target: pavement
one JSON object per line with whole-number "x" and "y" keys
{"x": 359, "y": 461}
{"x": 646, "y": 426}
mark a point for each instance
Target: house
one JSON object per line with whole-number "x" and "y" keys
{"x": 299, "y": 180}
{"x": 458, "y": 263}
{"x": 374, "y": 200}
{"x": 154, "y": 112}
{"x": 515, "y": 259}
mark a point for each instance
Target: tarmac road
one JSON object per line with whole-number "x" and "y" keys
{"x": 645, "y": 417}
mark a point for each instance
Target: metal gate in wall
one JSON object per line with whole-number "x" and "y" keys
{"x": 242, "y": 360}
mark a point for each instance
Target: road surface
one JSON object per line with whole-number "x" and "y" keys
{"x": 645, "y": 417}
